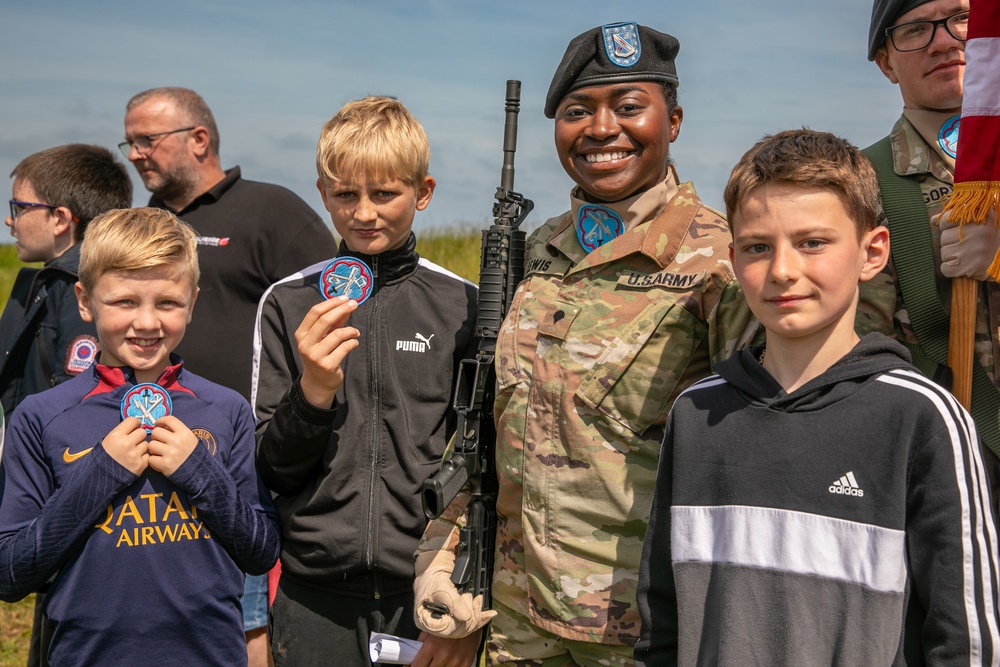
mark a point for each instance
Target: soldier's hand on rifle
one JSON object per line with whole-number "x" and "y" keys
{"x": 324, "y": 340}
{"x": 968, "y": 250}
{"x": 439, "y": 608}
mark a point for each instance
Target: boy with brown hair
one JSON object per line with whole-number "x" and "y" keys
{"x": 821, "y": 502}
{"x": 55, "y": 194}
{"x": 134, "y": 471}
{"x": 355, "y": 359}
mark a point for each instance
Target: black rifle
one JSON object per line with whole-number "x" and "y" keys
{"x": 472, "y": 461}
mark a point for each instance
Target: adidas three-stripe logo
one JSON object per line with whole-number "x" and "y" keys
{"x": 847, "y": 486}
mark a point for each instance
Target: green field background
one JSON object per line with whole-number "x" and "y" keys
{"x": 455, "y": 249}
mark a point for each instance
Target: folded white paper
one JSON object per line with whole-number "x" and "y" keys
{"x": 390, "y": 650}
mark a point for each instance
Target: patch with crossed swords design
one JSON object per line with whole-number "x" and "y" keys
{"x": 346, "y": 276}
{"x": 597, "y": 225}
{"x": 147, "y": 402}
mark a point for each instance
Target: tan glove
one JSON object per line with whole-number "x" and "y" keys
{"x": 440, "y": 609}
{"x": 968, "y": 250}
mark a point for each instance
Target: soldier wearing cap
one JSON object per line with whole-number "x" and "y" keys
{"x": 628, "y": 298}
{"x": 919, "y": 45}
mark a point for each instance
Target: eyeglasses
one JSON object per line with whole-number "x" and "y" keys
{"x": 19, "y": 207}
{"x": 145, "y": 143}
{"x": 918, "y": 35}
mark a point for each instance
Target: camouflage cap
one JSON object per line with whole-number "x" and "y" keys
{"x": 613, "y": 53}
{"x": 884, "y": 14}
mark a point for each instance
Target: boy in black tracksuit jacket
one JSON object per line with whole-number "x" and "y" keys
{"x": 355, "y": 360}
{"x": 820, "y": 501}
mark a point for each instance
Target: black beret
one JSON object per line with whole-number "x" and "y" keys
{"x": 612, "y": 54}
{"x": 884, "y": 14}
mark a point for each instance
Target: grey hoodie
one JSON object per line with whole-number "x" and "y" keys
{"x": 845, "y": 523}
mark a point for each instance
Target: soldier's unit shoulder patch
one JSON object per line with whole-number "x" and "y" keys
{"x": 346, "y": 276}
{"x": 147, "y": 402}
{"x": 948, "y": 136}
{"x": 621, "y": 43}
{"x": 597, "y": 225}
{"x": 80, "y": 354}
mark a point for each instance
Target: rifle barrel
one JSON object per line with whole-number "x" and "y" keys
{"x": 512, "y": 107}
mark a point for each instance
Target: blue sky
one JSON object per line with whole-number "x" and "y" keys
{"x": 273, "y": 73}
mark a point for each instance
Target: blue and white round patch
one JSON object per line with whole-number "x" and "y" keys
{"x": 948, "y": 136}
{"x": 147, "y": 402}
{"x": 346, "y": 276}
{"x": 597, "y": 225}
{"x": 621, "y": 43}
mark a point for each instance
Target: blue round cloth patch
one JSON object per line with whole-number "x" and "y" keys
{"x": 597, "y": 225}
{"x": 346, "y": 276}
{"x": 147, "y": 402}
{"x": 948, "y": 136}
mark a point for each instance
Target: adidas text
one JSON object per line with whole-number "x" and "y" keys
{"x": 847, "y": 486}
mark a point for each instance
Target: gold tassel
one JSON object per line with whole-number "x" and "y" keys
{"x": 994, "y": 270}
{"x": 972, "y": 201}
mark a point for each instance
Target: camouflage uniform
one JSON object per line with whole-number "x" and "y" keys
{"x": 589, "y": 360}
{"x": 881, "y": 303}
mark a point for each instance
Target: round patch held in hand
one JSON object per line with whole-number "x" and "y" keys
{"x": 147, "y": 402}
{"x": 346, "y": 276}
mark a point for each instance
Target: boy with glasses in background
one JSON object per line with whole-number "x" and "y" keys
{"x": 55, "y": 194}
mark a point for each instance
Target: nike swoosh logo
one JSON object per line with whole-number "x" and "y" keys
{"x": 69, "y": 458}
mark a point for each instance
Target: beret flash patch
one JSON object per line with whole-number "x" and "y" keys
{"x": 621, "y": 43}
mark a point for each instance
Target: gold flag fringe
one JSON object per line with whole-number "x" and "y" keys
{"x": 972, "y": 202}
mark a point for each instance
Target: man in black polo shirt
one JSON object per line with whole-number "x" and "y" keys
{"x": 250, "y": 235}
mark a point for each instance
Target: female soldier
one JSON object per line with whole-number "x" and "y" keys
{"x": 628, "y": 298}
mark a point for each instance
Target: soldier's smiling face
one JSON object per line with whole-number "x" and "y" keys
{"x": 614, "y": 140}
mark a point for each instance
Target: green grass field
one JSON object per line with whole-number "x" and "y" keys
{"x": 455, "y": 249}
{"x": 9, "y": 266}
{"x": 15, "y": 619}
